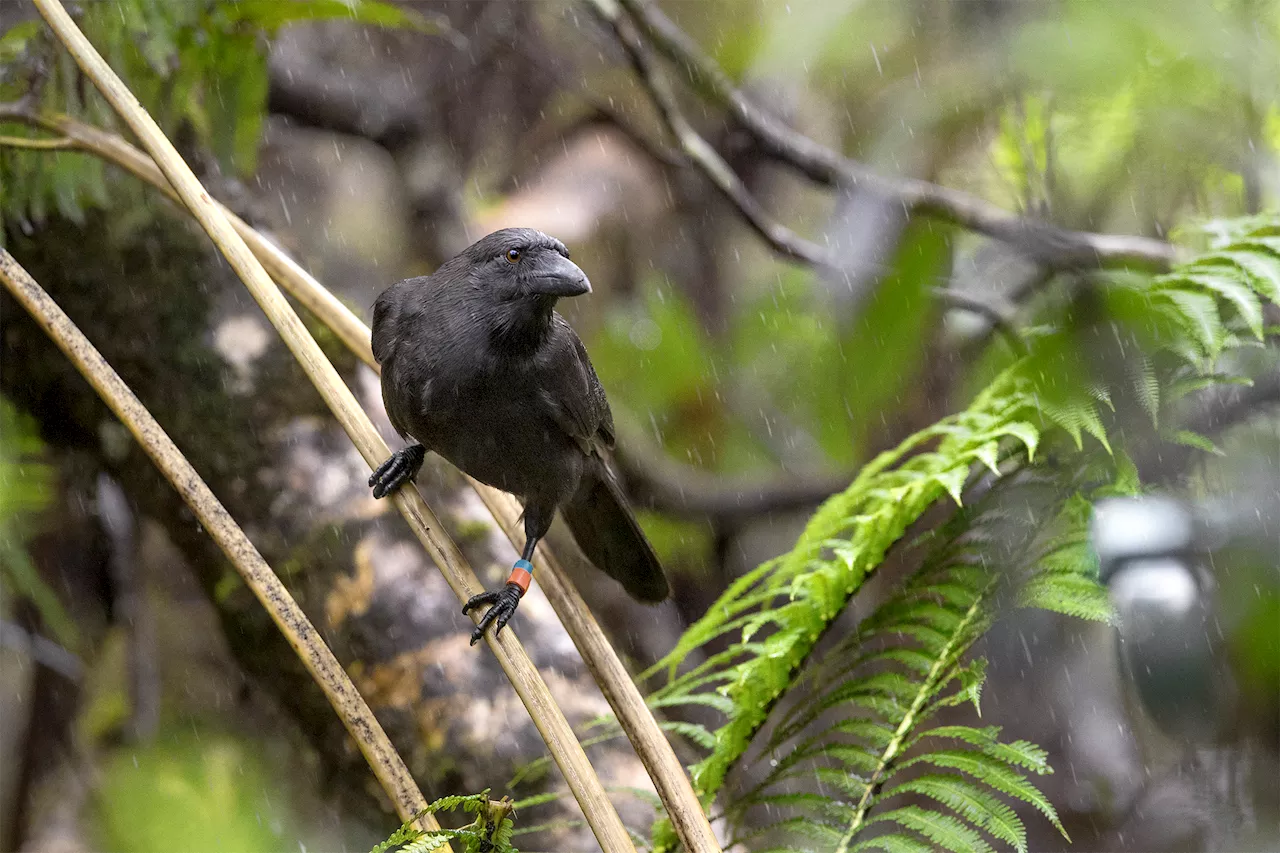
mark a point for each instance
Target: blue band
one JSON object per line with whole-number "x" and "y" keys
{"x": 524, "y": 564}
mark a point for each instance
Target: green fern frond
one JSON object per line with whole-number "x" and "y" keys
{"x": 860, "y": 723}
{"x": 845, "y": 539}
{"x": 1194, "y": 439}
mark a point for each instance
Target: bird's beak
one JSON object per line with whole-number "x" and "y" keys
{"x": 556, "y": 275}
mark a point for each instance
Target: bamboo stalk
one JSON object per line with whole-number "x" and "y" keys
{"x": 547, "y": 716}
{"x": 634, "y": 716}
{"x": 285, "y": 612}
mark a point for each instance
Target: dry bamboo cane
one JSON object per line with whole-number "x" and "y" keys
{"x": 547, "y": 716}
{"x": 285, "y": 612}
{"x": 653, "y": 749}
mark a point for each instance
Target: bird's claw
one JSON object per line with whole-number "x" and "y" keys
{"x": 400, "y": 468}
{"x": 504, "y": 602}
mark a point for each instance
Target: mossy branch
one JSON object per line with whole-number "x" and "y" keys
{"x": 634, "y": 716}
{"x": 285, "y": 612}
{"x": 547, "y": 716}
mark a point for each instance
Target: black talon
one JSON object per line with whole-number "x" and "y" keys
{"x": 400, "y": 468}
{"x": 504, "y": 602}
{"x": 489, "y": 597}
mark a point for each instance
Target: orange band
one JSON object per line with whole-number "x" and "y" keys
{"x": 521, "y": 578}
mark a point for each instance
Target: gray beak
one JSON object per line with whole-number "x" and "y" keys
{"x": 555, "y": 275}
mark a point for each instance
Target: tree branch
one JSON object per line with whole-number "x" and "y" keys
{"x": 998, "y": 319}
{"x": 781, "y": 239}
{"x": 33, "y": 144}
{"x": 307, "y": 91}
{"x": 680, "y": 490}
{"x": 1231, "y": 405}
{"x": 1055, "y": 247}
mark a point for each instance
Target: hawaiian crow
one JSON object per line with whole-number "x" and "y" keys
{"x": 478, "y": 366}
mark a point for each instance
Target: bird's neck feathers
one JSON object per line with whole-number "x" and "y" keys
{"x": 521, "y": 326}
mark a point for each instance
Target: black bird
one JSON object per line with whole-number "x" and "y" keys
{"x": 478, "y": 366}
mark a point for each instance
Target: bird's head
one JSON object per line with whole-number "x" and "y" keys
{"x": 525, "y": 264}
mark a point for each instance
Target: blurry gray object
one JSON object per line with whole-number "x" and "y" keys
{"x": 1154, "y": 555}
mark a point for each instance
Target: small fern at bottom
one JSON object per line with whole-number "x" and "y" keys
{"x": 490, "y": 832}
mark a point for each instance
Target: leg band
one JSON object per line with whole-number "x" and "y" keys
{"x": 522, "y": 575}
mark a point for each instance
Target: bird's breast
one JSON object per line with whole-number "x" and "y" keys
{"x": 489, "y": 424}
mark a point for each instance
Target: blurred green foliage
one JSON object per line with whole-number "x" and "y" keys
{"x": 840, "y": 381}
{"x": 660, "y": 360}
{"x": 26, "y": 488}
{"x": 200, "y": 67}
{"x": 192, "y": 790}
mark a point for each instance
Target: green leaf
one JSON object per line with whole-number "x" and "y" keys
{"x": 994, "y": 773}
{"x": 1070, "y": 595}
{"x": 696, "y": 733}
{"x": 1196, "y": 440}
{"x": 989, "y": 455}
{"x": 1227, "y": 283}
{"x": 427, "y": 842}
{"x": 890, "y": 331}
{"x": 971, "y": 801}
{"x": 1075, "y": 415}
{"x": 271, "y": 15}
{"x": 26, "y": 489}
{"x": 808, "y": 801}
{"x": 943, "y": 830}
{"x": 895, "y": 843}
{"x": 1198, "y": 314}
{"x": 1027, "y": 434}
{"x": 13, "y": 43}
{"x": 953, "y": 481}
{"x": 1018, "y": 753}
{"x": 237, "y": 103}
{"x": 480, "y": 834}
{"x": 1261, "y": 268}
{"x": 537, "y": 800}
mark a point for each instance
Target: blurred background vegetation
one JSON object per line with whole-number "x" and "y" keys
{"x": 374, "y": 140}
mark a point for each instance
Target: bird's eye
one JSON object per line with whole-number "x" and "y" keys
{"x": 513, "y": 255}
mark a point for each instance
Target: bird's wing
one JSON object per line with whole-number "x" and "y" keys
{"x": 573, "y": 392}
{"x": 599, "y": 402}
{"x": 385, "y": 310}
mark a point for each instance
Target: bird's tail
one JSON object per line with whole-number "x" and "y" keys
{"x": 610, "y": 536}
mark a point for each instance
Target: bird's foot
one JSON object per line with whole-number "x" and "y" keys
{"x": 504, "y": 601}
{"x": 402, "y": 467}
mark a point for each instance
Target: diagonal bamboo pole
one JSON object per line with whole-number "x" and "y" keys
{"x": 285, "y": 612}
{"x": 655, "y": 752}
{"x": 547, "y": 716}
